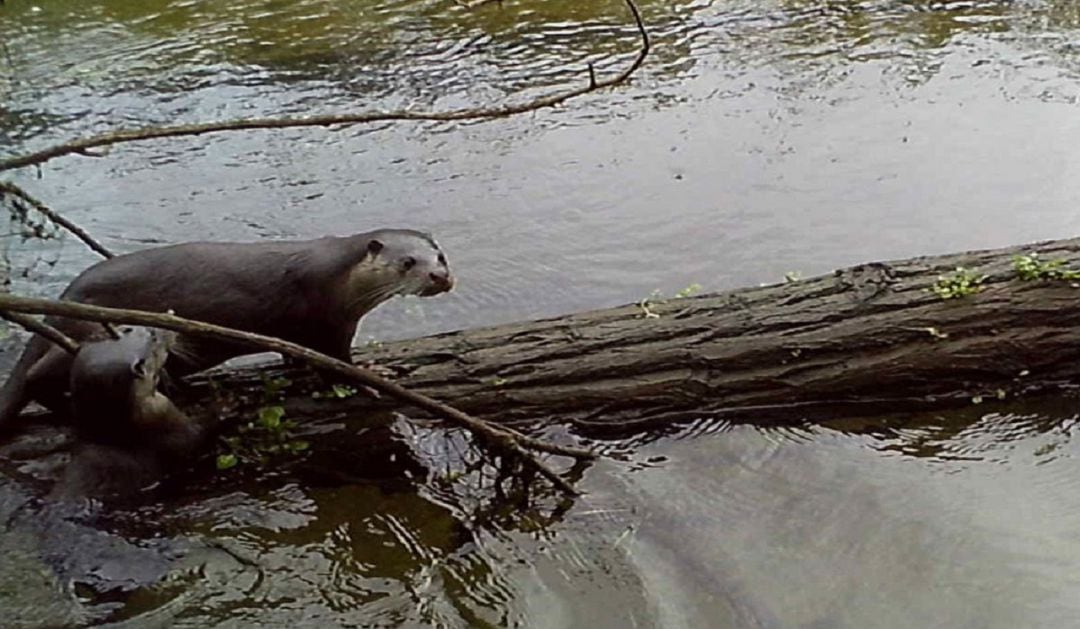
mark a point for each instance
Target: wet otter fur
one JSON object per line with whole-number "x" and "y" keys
{"x": 130, "y": 435}
{"x": 311, "y": 292}
{"x": 115, "y": 396}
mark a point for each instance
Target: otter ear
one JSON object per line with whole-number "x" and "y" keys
{"x": 139, "y": 368}
{"x": 374, "y": 247}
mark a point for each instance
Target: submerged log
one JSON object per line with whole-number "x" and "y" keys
{"x": 874, "y": 337}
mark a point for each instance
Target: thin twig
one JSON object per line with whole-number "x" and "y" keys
{"x": 491, "y": 434}
{"x": 6, "y": 187}
{"x": 147, "y": 133}
{"x": 475, "y": 4}
{"x": 31, "y": 324}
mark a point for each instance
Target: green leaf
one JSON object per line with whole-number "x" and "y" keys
{"x": 688, "y": 291}
{"x": 270, "y": 417}
{"x": 960, "y": 284}
{"x": 343, "y": 391}
{"x": 1030, "y": 268}
{"x": 226, "y": 461}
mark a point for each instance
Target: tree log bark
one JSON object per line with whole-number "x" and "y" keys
{"x": 874, "y": 338}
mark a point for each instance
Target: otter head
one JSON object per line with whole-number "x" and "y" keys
{"x": 398, "y": 262}
{"x": 112, "y": 377}
{"x": 148, "y": 350}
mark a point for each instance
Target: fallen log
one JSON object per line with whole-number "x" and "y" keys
{"x": 874, "y": 337}
{"x": 867, "y": 341}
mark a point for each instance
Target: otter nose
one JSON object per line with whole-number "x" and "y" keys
{"x": 441, "y": 280}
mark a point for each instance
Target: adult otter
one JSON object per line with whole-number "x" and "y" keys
{"x": 130, "y": 434}
{"x": 311, "y": 292}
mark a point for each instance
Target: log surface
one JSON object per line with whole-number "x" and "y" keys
{"x": 873, "y": 335}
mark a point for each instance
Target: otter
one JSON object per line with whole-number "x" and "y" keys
{"x": 114, "y": 383}
{"x": 130, "y": 435}
{"x": 310, "y": 292}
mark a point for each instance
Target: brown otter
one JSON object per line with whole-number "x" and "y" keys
{"x": 130, "y": 434}
{"x": 115, "y": 383}
{"x": 311, "y": 292}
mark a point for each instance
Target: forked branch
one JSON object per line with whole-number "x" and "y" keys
{"x": 85, "y": 145}
{"x": 8, "y": 188}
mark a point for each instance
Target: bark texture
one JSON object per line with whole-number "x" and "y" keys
{"x": 873, "y": 337}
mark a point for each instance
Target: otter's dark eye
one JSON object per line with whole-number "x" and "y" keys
{"x": 442, "y": 259}
{"x": 408, "y": 263}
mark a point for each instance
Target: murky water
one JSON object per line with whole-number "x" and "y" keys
{"x": 763, "y": 136}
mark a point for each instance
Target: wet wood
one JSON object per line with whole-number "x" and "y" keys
{"x": 873, "y": 337}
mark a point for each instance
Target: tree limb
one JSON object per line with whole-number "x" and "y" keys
{"x": 508, "y": 439}
{"x": 6, "y": 187}
{"x": 31, "y": 324}
{"x": 147, "y": 133}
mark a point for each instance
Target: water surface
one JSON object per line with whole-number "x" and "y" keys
{"x": 762, "y": 137}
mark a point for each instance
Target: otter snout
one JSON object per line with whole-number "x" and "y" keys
{"x": 441, "y": 282}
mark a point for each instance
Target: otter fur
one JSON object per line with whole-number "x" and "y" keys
{"x": 114, "y": 392}
{"x": 310, "y": 292}
{"x": 130, "y": 435}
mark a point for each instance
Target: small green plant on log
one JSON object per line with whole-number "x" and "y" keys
{"x": 1030, "y": 268}
{"x": 267, "y": 436}
{"x": 689, "y": 291}
{"x": 656, "y": 297}
{"x": 962, "y": 283}
{"x": 336, "y": 392}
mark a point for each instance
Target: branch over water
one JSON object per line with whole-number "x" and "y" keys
{"x": 85, "y": 146}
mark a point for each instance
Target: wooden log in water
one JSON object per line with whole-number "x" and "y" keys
{"x": 873, "y": 337}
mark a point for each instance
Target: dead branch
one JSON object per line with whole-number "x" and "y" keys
{"x": 6, "y": 187}
{"x": 507, "y": 439}
{"x": 476, "y": 4}
{"x": 82, "y": 146}
{"x": 47, "y": 331}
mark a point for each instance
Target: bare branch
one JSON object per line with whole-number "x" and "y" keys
{"x": 134, "y": 135}
{"x": 512, "y": 441}
{"x": 475, "y": 4}
{"x": 31, "y": 324}
{"x": 6, "y": 187}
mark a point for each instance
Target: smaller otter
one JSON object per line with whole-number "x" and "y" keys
{"x": 114, "y": 391}
{"x": 130, "y": 434}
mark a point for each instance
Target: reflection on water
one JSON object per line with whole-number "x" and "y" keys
{"x": 820, "y": 527}
{"x": 762, "y": 137}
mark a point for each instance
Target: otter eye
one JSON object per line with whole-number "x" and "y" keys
{"x": 408, "y": 263}
{"x": 442, "y": 259}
